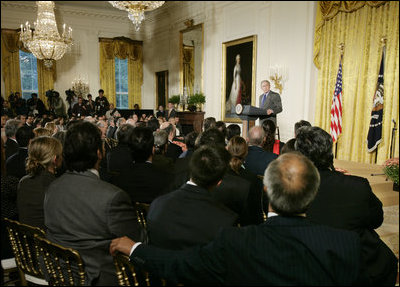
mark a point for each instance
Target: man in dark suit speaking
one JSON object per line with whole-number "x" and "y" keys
{"x": 287, "y": 249}
{"x": 270, "y": 101}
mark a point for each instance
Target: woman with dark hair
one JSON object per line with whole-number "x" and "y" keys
{"x": 237, "y": 147}
{"x": 270, "y": 143}
{"x": 44, "y": 158}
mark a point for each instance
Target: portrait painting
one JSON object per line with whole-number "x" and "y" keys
{"x": 238, "y": 76}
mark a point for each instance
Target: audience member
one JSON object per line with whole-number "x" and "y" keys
{"x": 173, "y": 150}
{"x": 142, "y": 181}
{"x": 231, "y": 131}
{"x": 289, "y": 146}
{"x": 300, "y": 124}
{"x": 178, "y": 126}
{"x": 120, "y": 157}
{"x": 153, "y": 124}
{"x": 83, "y": 212}
{"x": 347, "y": 202}
{"x": 11, "y": 145}
{"x": 189, "y": 215}
{"x": 160, "y": 148}
{"x": 35, "y": 105}
{"x": 44, "y": 158}
{"x": 90, "y": 105}
{"x": 237, "y": 147}
{"x": 209, "y": 123}
{"x": 309, "y": 254}
{"x": 257, "y": 159}
{"x": 112, "y": 112}
{"x": 171, "y": 111}
{"x": 221, "y": 126}
{"x": 79, "y": 109}
{"x": 39, "y": 132}
{"x": 160, "y": 112}
{"x": 270, "y": 143}
{"x": 190, "y": 140}
{"x": 15, "y": 164}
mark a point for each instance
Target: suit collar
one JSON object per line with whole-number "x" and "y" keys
{"x": 194, "y": 188}
{"x": 287, "y": 220}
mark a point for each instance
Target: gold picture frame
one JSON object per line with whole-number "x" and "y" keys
{"x": 238, "y": 78}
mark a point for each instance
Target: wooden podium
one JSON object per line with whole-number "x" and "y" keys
{"x": 249, "y": 114}
{"x": 191, "y": 121}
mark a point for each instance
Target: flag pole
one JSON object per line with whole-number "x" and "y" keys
{"x": 341, "y": 47}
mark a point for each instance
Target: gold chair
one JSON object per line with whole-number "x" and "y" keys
{"x": 128, "y": 276}
{"x": 9, "y": 267}
{"x": 25, "y": 252}
{"x": 62, "y": 266}
{"x": 141, "y": 213}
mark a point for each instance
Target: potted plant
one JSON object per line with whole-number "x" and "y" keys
{"x": 175, "y": 99}
{"x": 197, "y": 100}
{"x": 391, "y": 170}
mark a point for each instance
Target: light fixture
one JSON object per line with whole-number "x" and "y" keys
{"x": 80, "y": 87}
{"x": 278, "y": 75}
{"x": 136, "y": 9}
{"x": 44, "y": 41}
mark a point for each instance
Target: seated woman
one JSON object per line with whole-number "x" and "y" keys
{"x": 270, "y": 143}
{"x": 44, "y": 158}
{"x": 237, "y": 147}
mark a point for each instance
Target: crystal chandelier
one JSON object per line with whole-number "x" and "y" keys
{"x": 44, "y": 41}
{"x": 136, "y": 9}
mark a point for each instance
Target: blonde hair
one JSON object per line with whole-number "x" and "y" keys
{"x": 51, "y": 126}
{"x": 41, "y": 152}
{"x": 39, "y": 132}
{"x": 237, "y": 147}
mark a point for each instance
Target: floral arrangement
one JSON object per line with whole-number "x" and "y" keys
{"x": 175, "y": 99}
{"x": 391, "y": 169}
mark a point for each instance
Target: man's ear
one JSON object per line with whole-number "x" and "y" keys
{"x": 219, "y": 182}
{"x": 100, "y": 153}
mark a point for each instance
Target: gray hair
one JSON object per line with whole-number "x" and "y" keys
{"x": 266, "y": 81}
{"x": 256, "y": 136}
{"x": 292, "y": 182}
{"x": 160, "y": 138}
{"x": 11, "y": 127}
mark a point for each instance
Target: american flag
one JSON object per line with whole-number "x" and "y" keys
{"x": 336, "y": 109}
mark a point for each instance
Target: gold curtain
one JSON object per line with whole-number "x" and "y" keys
{"x": 188, "y": 68}
{"x": 361, "y": 32}
{"x": 11, "y": 69}
{"x": 10, "y": 58}
{"x": 122, "y": 48}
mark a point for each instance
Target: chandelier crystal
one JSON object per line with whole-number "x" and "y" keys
{"x": 44, "y": 41}
{"x": 136, "y": 9}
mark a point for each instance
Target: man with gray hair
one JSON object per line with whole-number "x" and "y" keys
{"x": 270, "y": 101}
{"x": 287, "y": 249}
{"x": 257, "y": 159}
{"x": 173, "y": 150}
{"x": 11, "y": 145}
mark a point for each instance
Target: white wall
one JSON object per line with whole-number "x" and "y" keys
{"x": 284, "y": 37}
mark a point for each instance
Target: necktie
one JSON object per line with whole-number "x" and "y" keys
{"x": 263, "y": 100}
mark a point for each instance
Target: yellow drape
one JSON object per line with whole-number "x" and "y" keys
{"x": 10, "y": 58}
{"x": 361, "y": 32}
{"x": 11, "y": 69}
{"x": 122, "y": 48}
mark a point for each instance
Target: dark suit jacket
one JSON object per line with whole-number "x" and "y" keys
{"x": 119, "y": 158}
{"x": 11, "y": 147}
{"x": 15, "y": 164}
{"x": 347, "y": 202}
{"x": 169, "y": 115}
{"x": 30, "y": 198}
{"x": 143, "y": 182}
{"x": 85, "y": 213}
{"x": 258, "y": 159}
{"x": 282, "y": 251}
{"x": 272, "y": 102}
{"x": 186, "y": 217}
{"x": 173, "y": 151}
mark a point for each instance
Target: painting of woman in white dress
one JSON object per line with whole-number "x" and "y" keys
{"x": 239, "y": 75}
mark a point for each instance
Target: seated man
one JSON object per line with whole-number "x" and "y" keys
{"x": 257, "y": 159}
{"x": 120, "y": 157}
{"x": 83, "y": 212}
{"x": 287, "y": 249}
{"x": 173, "y": 150}
{"x": 143, "y": 181}
{"x": 347, "y": 202}
{"x": 189, "y": 215}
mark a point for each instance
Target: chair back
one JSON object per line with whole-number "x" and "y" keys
{"x": 141, "y": 213}
{"x": 129, "y": 276}
{"x": 24, "y": 248}
{"x": 62, "y": 266}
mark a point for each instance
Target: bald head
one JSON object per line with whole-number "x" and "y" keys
{"x": 292, "y": 182}
{"x": 256, "y": 136}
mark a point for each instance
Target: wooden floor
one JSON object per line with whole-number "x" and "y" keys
{"x": 383, "y": 189}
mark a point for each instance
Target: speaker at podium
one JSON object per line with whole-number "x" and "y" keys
{"x": 249, "y": 114}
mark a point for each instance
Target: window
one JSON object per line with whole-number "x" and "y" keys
{"x": 29, "y": 77}
{"x": 121, "y": 83}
